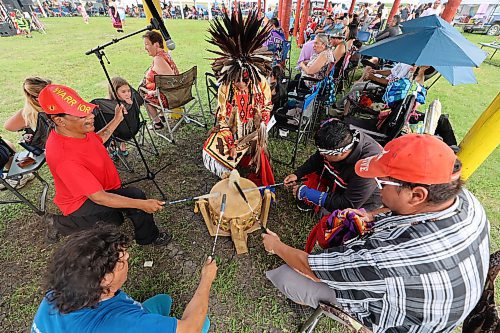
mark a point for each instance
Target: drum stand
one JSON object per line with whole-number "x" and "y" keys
{"x": 99, "y": 52}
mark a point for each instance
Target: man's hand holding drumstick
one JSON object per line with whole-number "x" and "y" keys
{"x": 291, "y": 181}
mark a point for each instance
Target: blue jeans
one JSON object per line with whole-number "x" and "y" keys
{"x": 161, "y": 304}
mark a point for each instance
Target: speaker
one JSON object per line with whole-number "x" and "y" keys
{"x": 11, "y": 5}
{"x": 25, "y": 2}
{"x": 7, "y": 30}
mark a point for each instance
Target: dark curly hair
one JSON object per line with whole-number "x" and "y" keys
{"x": 78, "y": 267}
{"x": 333, "y": 134}
{"x": 154, "y": 37}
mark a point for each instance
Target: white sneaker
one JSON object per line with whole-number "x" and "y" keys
{"x": 19, "y": 183}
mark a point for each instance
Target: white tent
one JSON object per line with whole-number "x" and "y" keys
{"x": 480, "y": 2}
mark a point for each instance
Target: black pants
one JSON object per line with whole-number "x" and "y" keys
{"x": 90, "y": 213}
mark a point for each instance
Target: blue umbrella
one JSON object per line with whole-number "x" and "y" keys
{"x": 457, "y": 75}
{"x": 431, "y": 45}
{"x": 426, "y": 22}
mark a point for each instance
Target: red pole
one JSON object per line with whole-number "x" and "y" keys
{"x": 280, "y": 7}
{"x": 297, "y": 18}
{"x": 283, "y": 11}
{"x": 287, "y": 12}
{"x": 351, "y": 9}
{"x": 326, "y": 4}
{"x": 394, "y": 10}
{"x": 258, "y": 8}
{"x": 303, "y": 22}
{"x": 265, "y": 8}
{"x": 450, "y": 10}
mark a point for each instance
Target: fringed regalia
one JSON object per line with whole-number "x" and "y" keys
{"x": 243, "y": 110}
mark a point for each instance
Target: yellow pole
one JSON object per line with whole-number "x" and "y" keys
{"x": 149, "y": 16}
{"x": 481, "y": 140}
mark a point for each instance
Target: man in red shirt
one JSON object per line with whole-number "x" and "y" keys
{"x": 88, "y": 187}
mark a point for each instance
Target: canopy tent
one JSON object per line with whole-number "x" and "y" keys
{"x": 480, "y": 2}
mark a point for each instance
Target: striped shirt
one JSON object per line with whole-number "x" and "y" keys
{"x": 425, "y": 277}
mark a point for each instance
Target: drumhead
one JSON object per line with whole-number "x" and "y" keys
{"x": 235, "y": 205}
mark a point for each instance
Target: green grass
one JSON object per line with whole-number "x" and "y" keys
{"x": 242, "y": 300}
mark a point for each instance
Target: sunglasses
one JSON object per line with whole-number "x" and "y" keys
{"x": 381, "y": 183}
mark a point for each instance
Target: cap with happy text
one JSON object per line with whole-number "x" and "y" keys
{"x": 413, "y": 158}
{"x": 58, "y": 99}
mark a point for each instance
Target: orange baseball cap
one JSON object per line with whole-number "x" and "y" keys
{"x": 57, "y": 99}
{"x": 413, "y": 158}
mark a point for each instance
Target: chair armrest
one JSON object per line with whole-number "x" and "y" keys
{"x": 379, "y": 137}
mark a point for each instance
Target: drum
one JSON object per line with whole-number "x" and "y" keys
{"x": 238, "y": 220}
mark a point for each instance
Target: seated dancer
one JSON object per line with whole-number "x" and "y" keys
{"x": 87, "y": 184}
{"x": 421, "y": 268}
{"x": 331, "y": 181}
{"x": 84, "y": 294}
{"x": 243, "y": 101}
{"x": 162, "y": 65}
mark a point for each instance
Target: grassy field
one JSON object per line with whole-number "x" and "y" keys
{"x": 242, "y": 299}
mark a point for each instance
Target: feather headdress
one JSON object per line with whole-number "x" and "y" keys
{"x": 241, "y": 54}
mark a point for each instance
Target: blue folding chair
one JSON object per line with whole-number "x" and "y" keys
{"x": 297, "y": 116}
{"x": 364, "y": 36}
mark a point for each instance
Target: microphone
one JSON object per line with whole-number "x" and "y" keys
{"x": 158, "y": 24}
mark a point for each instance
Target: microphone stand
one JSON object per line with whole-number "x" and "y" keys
{"x": 99, "y": 52}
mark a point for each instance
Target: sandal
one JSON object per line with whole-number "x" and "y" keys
{"x": 158, "y": 126}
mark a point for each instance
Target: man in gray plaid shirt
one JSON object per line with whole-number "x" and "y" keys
{"x": 423, "y": 267}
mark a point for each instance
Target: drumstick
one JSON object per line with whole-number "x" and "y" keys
{"x": 303, "y": 179}
{"x": 222, "y": 209}
{"x": 238, "y": 187}
{"x": 204, "y": 196}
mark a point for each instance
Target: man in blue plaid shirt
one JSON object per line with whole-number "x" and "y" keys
{"x": 423, "y": 267}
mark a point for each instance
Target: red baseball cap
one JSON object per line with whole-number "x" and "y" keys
{"x": 413, "y": 158}
{"x": 57, "y": 99}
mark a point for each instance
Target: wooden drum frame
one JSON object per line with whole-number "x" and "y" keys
{"x": 238, "y": 221}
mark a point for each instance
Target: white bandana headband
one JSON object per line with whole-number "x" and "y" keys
{"x": 341, "y": 150}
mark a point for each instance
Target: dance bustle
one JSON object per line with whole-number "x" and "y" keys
{"x": 240, "y": 42}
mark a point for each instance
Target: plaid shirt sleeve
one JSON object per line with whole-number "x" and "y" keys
{"x": 342, "y": 267}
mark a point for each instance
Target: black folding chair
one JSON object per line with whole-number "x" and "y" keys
{"x": 296, "y": 117}
{"x": 335, "y": 313}
{"x": 134, "y": 125}
{"x": 212, "y": 90}
{"x": 365, "y": 120}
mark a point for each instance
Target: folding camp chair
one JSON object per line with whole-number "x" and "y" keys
{"x": 363, "y": 36}
{"x": 297, "y": 116}
{"x": 285, "y": 56}
{"x": 366, "y": 121}
{"x": 133, "y": 125}
{"x": 335, "y": 313}
{"x": 178, "y": 92}
{"x": 212, "y": 91}
{"x": 16, "y": 172}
